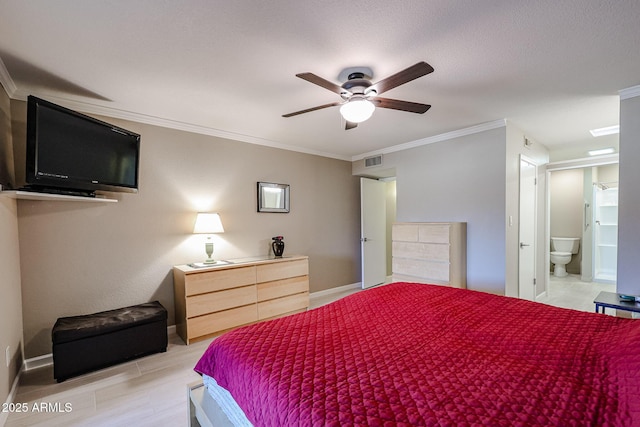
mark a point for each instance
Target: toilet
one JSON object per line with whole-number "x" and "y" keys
{"x": 562, "y": 249}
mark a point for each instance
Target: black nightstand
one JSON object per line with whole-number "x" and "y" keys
{"x": 611, "y": 300}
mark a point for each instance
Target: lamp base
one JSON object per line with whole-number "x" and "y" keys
{"x": 208, "y": 248}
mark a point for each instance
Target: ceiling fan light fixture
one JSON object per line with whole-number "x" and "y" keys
{"x": 357, "y": 110}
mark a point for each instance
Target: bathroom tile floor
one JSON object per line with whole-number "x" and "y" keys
{"x": 571, "y": 292}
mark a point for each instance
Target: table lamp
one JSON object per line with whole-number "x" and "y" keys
{"x": 208, "y": 223}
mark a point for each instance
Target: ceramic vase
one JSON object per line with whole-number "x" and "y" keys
{"x": 278, "y": 246}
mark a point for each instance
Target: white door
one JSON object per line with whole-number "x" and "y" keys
{"x": 527, "y": 230}
{"x": 373, "y": 236}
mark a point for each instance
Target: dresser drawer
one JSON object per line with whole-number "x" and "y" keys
{"x": 284, "y": 287}
{"x": 221, "y": 320}
{"x": 281, "y": 270}
{"x": 278, "y": 306}
{"x": 433, "y": 233}
{"x": 424, "y": 269}
{"x": 224, "y": 296}
{"x": 198, "y": 305}
{"x": 423, "y": 251}
{"x": 210, "y": 281}
{"x": 425, "y": 233}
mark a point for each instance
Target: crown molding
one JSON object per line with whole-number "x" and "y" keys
{"x": 89, "y": 108}
{"x": 630, "y": 92}
{"x": 6, "y": 81}
{"x": 436, "y": 138}
{"x": 115, "y": 113}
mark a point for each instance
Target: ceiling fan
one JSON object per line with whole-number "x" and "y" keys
{"x": 360, "y": 96}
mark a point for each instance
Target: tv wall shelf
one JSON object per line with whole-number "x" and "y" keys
{"x": 30, "y": 195}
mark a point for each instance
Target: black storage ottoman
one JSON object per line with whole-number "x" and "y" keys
{"x": 85, "y": 343}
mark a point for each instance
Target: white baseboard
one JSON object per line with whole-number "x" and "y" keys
{"x": 47, "y": 359}
{"x": 4, "y": 415}
{"x": 37, "y": 362}
{"x": 542, "y": 295}
{"x": 332, "y": 291}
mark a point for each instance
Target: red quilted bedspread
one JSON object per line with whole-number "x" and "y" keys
{"x": 423, "y": 355}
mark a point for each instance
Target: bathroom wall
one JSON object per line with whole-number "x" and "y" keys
{"x": 608, "y": 174}
{"x": 566, "y": 209}
{"x": 569, "y": 190}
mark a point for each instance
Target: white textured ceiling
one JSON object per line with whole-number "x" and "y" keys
{"x": 553, "y": 68}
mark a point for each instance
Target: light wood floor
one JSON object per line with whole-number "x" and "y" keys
{"x": 152, "y": 391}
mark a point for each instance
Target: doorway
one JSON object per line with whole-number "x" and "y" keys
{"x": 377, "y": 201}
{"x": 583, "y": 204}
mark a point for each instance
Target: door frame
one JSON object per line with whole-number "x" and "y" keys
{"x": 604, "y": 160}
{"x": 378, "y": 271}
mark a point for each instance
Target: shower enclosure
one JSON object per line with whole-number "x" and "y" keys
{"x": 605, "y": 238}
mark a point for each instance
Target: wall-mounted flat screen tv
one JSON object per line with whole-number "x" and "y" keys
{"x": 72, "y": 153}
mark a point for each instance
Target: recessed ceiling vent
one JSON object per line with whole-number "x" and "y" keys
{"x": 370, "y": 162}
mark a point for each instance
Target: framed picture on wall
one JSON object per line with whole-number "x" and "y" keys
{"x": 273, "y": 197}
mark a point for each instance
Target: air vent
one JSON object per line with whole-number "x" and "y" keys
{"x": 370, "y": 162}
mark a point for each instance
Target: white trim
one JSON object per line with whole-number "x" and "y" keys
{"x": 584, "y": 162}
{"x": 47, "y": 359}
{"x": 175, "y": 124}
{"x": 205, "y": 130}
{"x": 4, "y": 416}
{"x": 542, "y": 296}
{"x": 37, "y": 362}
{"x": 171, "y": 330}
{"x": 630, "y": 92}
{"x": 6, "y": 81}
{"x": 332, "y": 291}
{"x": 436, "y": 138}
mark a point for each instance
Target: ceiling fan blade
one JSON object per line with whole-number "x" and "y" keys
{"x": 308, "y": 110}
{"x": 312, "y": 78}
{"x": 394, "y": 104}
{"x": 418, "y": 70}
{"x": 350, "y": 125}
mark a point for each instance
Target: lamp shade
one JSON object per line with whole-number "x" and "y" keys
{"x": 357, "y": 110}
{"x": 208, "y": 223}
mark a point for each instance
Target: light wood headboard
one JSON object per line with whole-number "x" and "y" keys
{"x": 430, "y": 252}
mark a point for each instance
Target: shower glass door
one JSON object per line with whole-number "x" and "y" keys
{"x": 605, "y": 242}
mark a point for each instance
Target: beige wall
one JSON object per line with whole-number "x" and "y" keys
{"x": 10, "y": 298}
{"x": 80, "y": 257}
{"x": 609, "y": 174}
{"x": 566, "y": 209}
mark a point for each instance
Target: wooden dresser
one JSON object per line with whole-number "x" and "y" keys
{"x": 430, "y": 252}
{"x": 213, "y": 299}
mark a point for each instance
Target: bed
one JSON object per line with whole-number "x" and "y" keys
{"x": 409, "y": 354}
